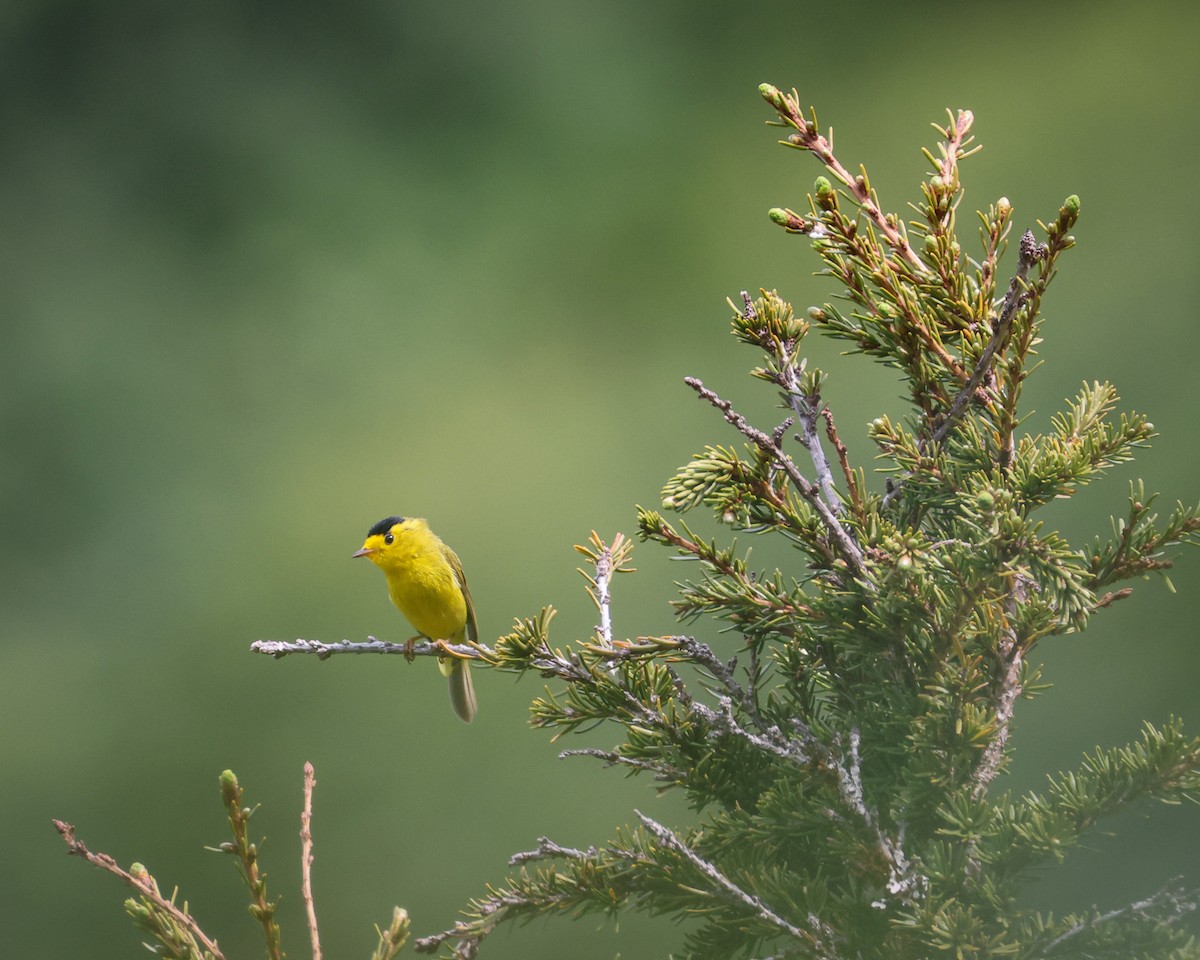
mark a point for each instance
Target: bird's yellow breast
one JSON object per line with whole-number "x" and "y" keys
{"x": 428, "y": 593}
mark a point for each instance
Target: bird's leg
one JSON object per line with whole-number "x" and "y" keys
{"x": 408, "y": 648}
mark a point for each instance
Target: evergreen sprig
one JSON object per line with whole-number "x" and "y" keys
{"x": 246, "y": 851}
{"x": 176, "y": 933}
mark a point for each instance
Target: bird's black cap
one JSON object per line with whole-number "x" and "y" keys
{"x": 383, "y": 526}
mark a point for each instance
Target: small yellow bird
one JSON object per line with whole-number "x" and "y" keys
{"x": 425, "y": 580}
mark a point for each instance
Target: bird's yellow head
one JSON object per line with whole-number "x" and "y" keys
{"x": 392, "y": 540}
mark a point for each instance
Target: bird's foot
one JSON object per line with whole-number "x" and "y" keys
{"x": 444, "y": 647}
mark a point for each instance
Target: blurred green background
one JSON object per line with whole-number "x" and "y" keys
{"x": 273, "y": 271}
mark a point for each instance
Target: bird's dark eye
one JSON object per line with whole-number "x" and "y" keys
{"x": 389, "y": 539}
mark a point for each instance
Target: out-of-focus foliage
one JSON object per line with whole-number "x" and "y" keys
{"x": 271, "y": 273}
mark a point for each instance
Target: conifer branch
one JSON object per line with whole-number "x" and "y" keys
{"x": 849, "y": 774}
{"x": 772, "y": 740}
{"x": 802, "y": 398}
{"x": 570, "y": 880}
{"x": 663, "y": 772}
{"x": 818, "y": 938}
{"x": 393, "y": 939}
{"x": 262, "y": 909}
{"x": 1138, "y": 548}
{"x": 703, "y": 656}
{"x": 745, "y": 590}
{"x": 607, "y": 561}
{"x": 848, "y": 549}
{"x": 807, "y": 137}
{"x": 808, "y": 752}
{"x": 175, "y": 928}
{"x": 1029, "y": 254}
{"x": 1169, "y": 906}
{"x": 1007, "y": 692}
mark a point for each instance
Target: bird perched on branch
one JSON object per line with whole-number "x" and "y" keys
{"x": 426, "y": 582}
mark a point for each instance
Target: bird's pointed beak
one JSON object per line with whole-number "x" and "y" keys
{"x": 363, "y": 552}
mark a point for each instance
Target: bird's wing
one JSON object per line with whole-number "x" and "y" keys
{"x": 472, "y": 629}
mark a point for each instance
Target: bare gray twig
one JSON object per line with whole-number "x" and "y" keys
{"x": 818, "y": 937}
{"x": 804, "y": 403}
{"x": 323, "y": 651}
{"x": 848, "y": 549}
{"x": 702, "y": 655}
{"x": 808, "y": 410}
{"x": 1179, "y": 901}
{"x": 604, "y": 596}
{"x": 662, "y": 772}
{"x": 547, "y": 849}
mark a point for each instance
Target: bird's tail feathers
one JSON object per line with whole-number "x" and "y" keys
{"x": 462, "y": 689}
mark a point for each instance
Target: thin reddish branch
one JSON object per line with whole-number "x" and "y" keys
{"x": 142, "y": 882}
{"x": 1112, "y": 597}
{"x": 854, "y": 493}
{"x": 306, "y": 860}
{"x": 808, "y": 138}
{"x": 956, "y": 136}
